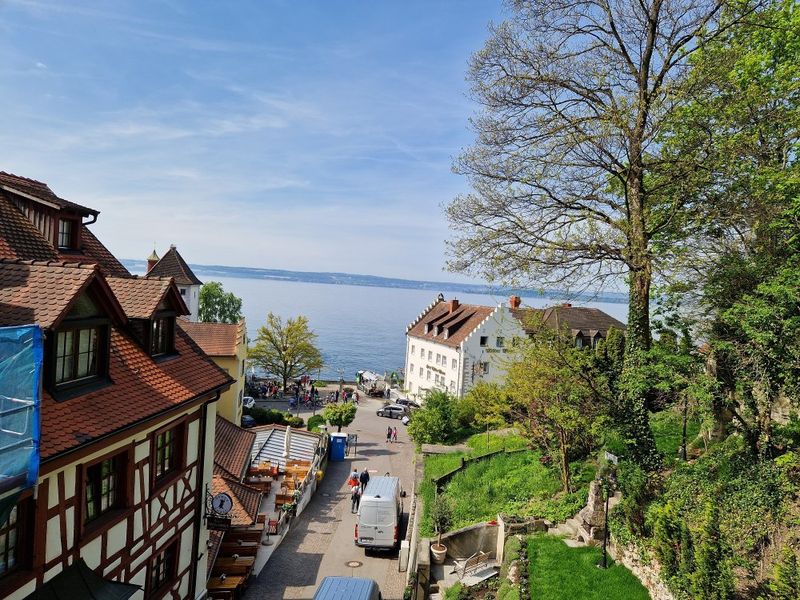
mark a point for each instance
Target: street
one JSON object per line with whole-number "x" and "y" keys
{"x": 320, "y": 542}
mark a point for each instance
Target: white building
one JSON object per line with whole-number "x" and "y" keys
{"x": 451, "y": 346}
{"x": 173, "y": 265}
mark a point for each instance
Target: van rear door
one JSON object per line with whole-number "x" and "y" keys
{"x": 376, "y": 523}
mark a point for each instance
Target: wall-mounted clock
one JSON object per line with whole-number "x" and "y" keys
{"x": 222, "y": 503}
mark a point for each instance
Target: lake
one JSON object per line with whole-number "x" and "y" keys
{"x": 358, "y": 327}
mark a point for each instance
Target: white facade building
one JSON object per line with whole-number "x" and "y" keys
{"x": 451, "y": 346}
{"x": 173, "y": 265}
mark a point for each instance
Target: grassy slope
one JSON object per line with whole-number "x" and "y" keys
{"x": 515, "y": 483}
{"x": 558, "y": 572}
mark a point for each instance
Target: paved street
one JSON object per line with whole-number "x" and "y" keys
{"x": 320, "y": 543}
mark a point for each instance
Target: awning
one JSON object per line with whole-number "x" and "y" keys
{"x": 79, "y": 582}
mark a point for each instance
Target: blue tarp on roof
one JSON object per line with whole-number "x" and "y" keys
{"x": 20, "y": 400}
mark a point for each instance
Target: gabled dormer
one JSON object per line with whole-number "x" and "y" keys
{"x": 151, "y": 305}
{"x": 78, "y": 341}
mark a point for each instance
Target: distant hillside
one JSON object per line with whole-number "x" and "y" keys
{"x": 208, "y": 271}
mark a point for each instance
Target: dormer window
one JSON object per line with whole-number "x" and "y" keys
{"x": 80, "y": 346}
{"x": 76, "y": 354}
{"x": 67, "y": 234}
{"x": 162, "y": 336}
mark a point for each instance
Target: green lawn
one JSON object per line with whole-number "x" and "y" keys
{"x": 667, "y": 427}
{"x": 514, "y": 483}
{"x": 558, "y": 572}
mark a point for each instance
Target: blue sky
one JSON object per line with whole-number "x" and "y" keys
{"x": 304, "y": 135}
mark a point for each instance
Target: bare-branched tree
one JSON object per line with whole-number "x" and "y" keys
{"x": 569, "y": 185}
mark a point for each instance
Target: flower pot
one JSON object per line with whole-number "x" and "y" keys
{"x": 439, "y": 553}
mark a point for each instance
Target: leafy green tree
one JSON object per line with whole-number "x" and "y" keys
{"x": 286, "y": 350}
{"x": 762, "y": 351}
{"x": 340, "y": 414}
{"x": 217, "y": 306}
{"x": 434, "y": 422}
{"x": 554, "y": 395}
{"x": 484, "y": 405}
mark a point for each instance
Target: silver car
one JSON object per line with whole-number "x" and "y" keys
{"x": 393, "y": 411}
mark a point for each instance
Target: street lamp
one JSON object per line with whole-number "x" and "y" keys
{"x": 607, "y": 481}
{"x": 341, "y": 383}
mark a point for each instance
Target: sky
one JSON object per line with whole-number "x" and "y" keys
{"x": 303, "y": 135}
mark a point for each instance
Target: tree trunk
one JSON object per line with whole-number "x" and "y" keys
{"x": 685, "y": 419}
{"x": 564, "y": 448}
{"x": 339, "y": 430}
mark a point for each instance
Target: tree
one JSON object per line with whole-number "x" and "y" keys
{"x": 286, "y": 350}
{"x": 555, "y": 395}
{"x": 441, "y": 515}
{"x": 340, "y": 415}
{"x": 712, "y": 579}
{"x": 216, "y": 306}
{"x": 434, "y": 422}
{"x": 568, "y": 185}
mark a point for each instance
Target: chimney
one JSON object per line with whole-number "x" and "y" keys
{"x": 514, "y": 301}
{"x": 453, "y": 304}
{"x": 152, "y": 260}
{"x": 566, "y": 304}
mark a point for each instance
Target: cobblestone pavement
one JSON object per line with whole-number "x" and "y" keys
{"x": 320, "y": 542}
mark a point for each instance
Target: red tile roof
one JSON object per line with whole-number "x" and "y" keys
{"x": 140, "y": 297}
{"x": 449, "y": 327}
{"x": 232, "y": 448}
{"x": 246, "y": 500}
{"x": 19, "y": 238}
{"x": 41, "y": 191}
{"x": 141, "y": 388}
{"x": 95, "y": 251}
{"x": 173, "y": 265}
{"x": 588, "y": 321}
{"x": 40, "y": 293}
{"x": 216, "y": 339}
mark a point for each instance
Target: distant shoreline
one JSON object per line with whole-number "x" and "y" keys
{"x": 386, "y": 282}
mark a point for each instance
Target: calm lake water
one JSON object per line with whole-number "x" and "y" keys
{"x": 358, "y": 327}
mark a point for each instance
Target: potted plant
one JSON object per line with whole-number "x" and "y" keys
{"x": 441, "y": 515}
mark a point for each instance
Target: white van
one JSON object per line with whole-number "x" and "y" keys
{"x": 379, "y": 514}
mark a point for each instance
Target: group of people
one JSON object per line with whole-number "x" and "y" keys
{"x": 357, "y": 483}
{"x": 391, "y": 434}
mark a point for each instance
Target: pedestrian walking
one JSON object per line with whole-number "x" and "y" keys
{"x": 337, "y": 396}
{"x": 355, "y": 498}
{"x": 353, "y": 479}
{"x": 394, "y": 434}
{"x": 355, "y": 396}
{"x": 389, "y": 434}
{"x": 364, "y": 479}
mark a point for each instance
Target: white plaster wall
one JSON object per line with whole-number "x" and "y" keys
{"x": 117, "y": 534}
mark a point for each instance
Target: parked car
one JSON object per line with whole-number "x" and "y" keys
{"x": 393, "y": 411}
{"x": 405, "y": 420}
{"x": 408, "y": 403}
{"x": 248, "y": 421}
{"x": 248, "y": 402}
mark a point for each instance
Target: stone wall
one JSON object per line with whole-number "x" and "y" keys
{"x": 648, "y": 573}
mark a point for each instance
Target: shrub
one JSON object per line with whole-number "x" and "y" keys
{"x": 785, "y": 581}
{"x": 296, "y": 422}
{"x": 315, "y": 422}
{"x": 433, "y": 423}
{"x": 269, "y": 416}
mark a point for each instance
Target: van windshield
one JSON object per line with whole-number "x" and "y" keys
{"x": 376, "y": 514}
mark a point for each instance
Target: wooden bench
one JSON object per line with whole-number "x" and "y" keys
{"x": 474, "y": 562}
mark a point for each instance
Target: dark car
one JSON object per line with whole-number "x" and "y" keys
{"x": 408, "y": 403}
{"x": 393, "y": 411}
{"x": 248, "y": 421}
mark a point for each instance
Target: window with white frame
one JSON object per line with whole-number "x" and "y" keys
{"x": 500, "y": 341}
{"x": 438, "y": 359}
{"x": 455, "y": 363}
{"x": 430, "y": 354}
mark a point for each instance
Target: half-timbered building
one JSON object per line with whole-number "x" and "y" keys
{"x": 128, "y": 412}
